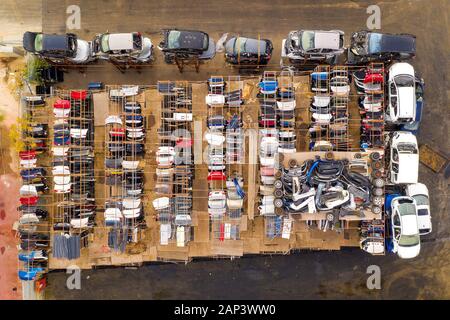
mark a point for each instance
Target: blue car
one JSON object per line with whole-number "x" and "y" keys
{"x": 32, "y": 173}
{"x": 60, "y": 141}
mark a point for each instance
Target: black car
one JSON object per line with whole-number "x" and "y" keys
{"x": 51, "y": 45}
{"x": 367, "y": 46}
{"x": 240, "y": 50}
{"x": 187, "y": 44}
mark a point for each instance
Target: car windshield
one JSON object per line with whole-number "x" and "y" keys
{"x": 404, "y": 80}
{"x": 105, "y": 43}
{"x": 409, "y": 240}
{"x": 406, "y": 209}
{"x": 187, "y": 40}
{"x": 406, "y": 148}
{"x": 375, "y": 42}
{"x": 421, "y": 199}
{"x": 38, "y": 43}
{"x": 307, "y": 40}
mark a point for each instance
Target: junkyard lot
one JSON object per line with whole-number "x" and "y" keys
{"x": 273, "y": 19}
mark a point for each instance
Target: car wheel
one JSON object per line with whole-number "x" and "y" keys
{"x": 377, "y": 165}
{"x": 377, "y": 192}
{"x": 329, "y": 155}
{"x": 379, "y": 183}
{"x": 376, "y": 209}
{"x": 278, "y": 193}
{"x": 377, "y": 201}
{"x": 375, "y": 156}
{"x": 278, "y": 203}
{"x": 278, "y": 175}
{"x": 292, "y": 163}
{"x": 377, "y": 174}
{"x": 278, "y": 184}
{"x": 279, "y": 211}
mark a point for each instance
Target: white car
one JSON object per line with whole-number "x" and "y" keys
{"x": 215, "y": 99}
{"x": 401, "y": 93}
{"x": 214, "y": 138}
{"x": 419, "y": 192}
{"x": 404, "y": 160}
{"x": 165, "y": 233}
{"x": 113, "y": 119}
{"x": 286, "y": 105}
{"x": 217, "y": 199}
{"x": 123, "y": 46}
{"x": 161, "y": 203}
{"x": 165, "y": 155}
{"x": 405, "y": 227}
{"x": 28, "y": 190}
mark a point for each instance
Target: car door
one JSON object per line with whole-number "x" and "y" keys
{"x": 396, "y": 227}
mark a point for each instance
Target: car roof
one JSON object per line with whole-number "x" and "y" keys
{"x": 55, "y": 42}
{"x": 251, "y": 45}
{"x": 120, "y": 41}
{"x": 397, "y": 43}
{"x": 326, "y": 40}
{"x": 191, "y": 39}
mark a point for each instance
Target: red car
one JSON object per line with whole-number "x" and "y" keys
{"x": 29, "y": 201}
{"x": 267, "y": 123}
{"x": 78, "y": 95}
{"x": 27, "y": 155}
{"x": 216, "y": 176}
{"x": 61, "y": 104}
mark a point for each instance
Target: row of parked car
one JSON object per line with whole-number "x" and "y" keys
{"x": 300, "y": 46}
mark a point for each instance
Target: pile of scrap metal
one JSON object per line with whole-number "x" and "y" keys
{"x": 339, "y": 187}
{"x": 125, "y": 138}
{"x": 175, "y": 168}
{"x": 369, "y": 84}
{"x": 32, "y": 231}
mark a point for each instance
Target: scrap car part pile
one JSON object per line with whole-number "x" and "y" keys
{"x": 175, "y": 168}
{"x": 225, "y": 138}
{"x": 73, "y": 172}
{"x": 32, "y": 225}
{"x": 125, "y": 137}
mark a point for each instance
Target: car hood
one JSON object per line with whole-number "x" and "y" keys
{"x": 84, "y": 52}
{"x": 408, "y": 169}
{"x": 408, "y": 252}
{"x": 407, "y": 102}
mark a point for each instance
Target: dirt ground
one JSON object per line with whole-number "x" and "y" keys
{"x": 424, "y": 277}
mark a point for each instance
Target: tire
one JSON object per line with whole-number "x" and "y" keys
{"x": 279, "y": 211}
{"x": 378, "y": 192}
{"x": 278, "y": 184}
{"x": 375, "y": 156}
{"x": 278, "y": 203}
{"x": 376, "y": 209}
{"x": 377, "y": 165}
{"x": 278, "y": 175}
{"x": 358, "y": 155}
{"x": 378, "y": 183}
{"x": 329, "y": 155}
{"x": 377, "y": 201}
{"x": 278, "y": 193}
{"x": 292, "y": 163}
{"x": 377, "y": 174}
